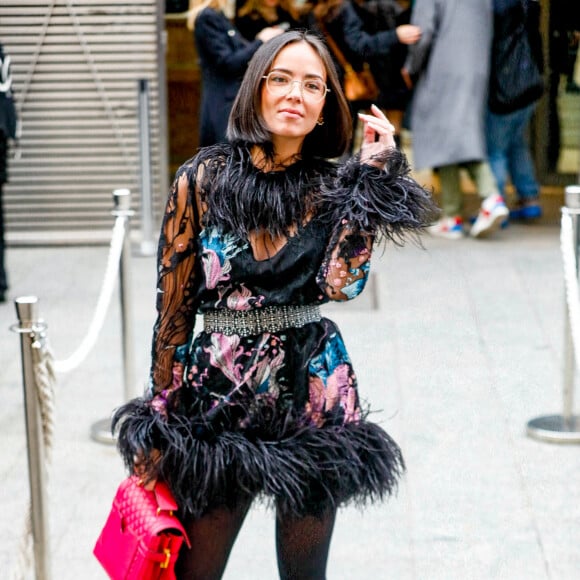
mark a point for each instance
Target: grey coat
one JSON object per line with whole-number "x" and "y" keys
{"x": 451, "y": 65}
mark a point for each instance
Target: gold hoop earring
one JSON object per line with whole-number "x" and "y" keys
{"x": 320, "y": 120}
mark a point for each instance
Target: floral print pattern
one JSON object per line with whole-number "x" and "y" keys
{"x": 218, "y": 250}
{"x": 332, "y": 383}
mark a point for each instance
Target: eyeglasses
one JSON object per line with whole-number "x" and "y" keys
{"x": 280, "y": 84}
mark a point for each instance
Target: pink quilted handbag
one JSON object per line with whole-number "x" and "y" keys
{"x": 142, "y": 537}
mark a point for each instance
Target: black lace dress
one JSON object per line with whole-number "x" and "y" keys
{"x": 275, "y": 414}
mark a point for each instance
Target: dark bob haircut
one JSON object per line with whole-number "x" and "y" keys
{"x": 246, "y": 124}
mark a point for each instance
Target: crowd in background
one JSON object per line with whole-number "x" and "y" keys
{"x": 433, "y": 62}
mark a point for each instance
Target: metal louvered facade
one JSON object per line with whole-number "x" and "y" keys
{"x": 76, "y": 67}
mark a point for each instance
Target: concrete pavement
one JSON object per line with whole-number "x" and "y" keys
{"x": 457, "y": 345}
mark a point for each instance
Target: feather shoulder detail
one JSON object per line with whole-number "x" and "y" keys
{"x": 241, "y": 197}
{"x": 386, "y": 202}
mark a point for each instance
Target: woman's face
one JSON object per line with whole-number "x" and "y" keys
{"x": 292, "y": 114}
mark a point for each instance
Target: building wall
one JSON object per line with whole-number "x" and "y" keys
{"x": 76, "y": 67}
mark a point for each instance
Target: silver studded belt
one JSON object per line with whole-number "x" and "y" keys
{"x": 259, "y": 320}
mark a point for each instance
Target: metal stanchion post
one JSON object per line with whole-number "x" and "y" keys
{"x": 147, "y": 246}
{"x": 29, "y": 329}
{"x": 101, "y": 430}
{"x": 564, "y": 428}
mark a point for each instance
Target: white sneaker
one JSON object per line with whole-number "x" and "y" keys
{"x": 491, "y": 215}
{"x": 450, "y": 228}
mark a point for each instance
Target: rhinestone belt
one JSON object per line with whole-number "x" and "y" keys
{"x": 257, "y": 321}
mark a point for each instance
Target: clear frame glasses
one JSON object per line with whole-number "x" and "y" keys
{"x": 280, "y": 84}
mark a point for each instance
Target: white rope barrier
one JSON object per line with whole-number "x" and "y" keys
{"x": 109, "y": 281}
{"x": 572, "y": 287}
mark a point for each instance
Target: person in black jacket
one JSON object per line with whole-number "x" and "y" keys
{"x": 394, "y": 16}
{"x": 224, "y": 55}
{"x": 255, "y": 15}
{"x": 507, "y": 127}
{"x": 358, "y": 44}
{"x": 7, "y": 131}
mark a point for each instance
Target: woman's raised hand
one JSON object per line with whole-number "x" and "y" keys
{"x": 378, "y": 136}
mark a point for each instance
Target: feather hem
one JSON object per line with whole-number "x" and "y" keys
{"x": 304, "y": 469}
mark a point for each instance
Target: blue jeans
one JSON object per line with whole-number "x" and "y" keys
{"x": 509, "y": 152}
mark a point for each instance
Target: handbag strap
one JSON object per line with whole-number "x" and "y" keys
{"x": 334, "y": 47}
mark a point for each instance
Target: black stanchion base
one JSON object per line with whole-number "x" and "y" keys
{"x": 555, "y": 429}
{"x": 101, "y": 432}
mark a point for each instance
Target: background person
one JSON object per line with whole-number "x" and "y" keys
{"x": 223, "y": 56}
{"x": 8, "y": 122}
{"x": 359, "y": 45}
{"x": 449, "y": 67}
{"x": 257, "y": 233}
{"x": 255, "y": 15}
{"x": 393, "y": 15}
{"x": 507, "y": 138}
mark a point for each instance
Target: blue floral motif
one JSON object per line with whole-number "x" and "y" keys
{"x": 353, "y": 290}
{"x": 218, "y": 250}
{"x": 333, "y": 355}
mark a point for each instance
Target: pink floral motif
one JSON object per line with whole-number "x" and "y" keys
{"x": 337, "y": 386}
{"x": 159, "y": 401}
{"x": 267, "y": 370}
{"x": 213, "y": 269}
{"x": 349, "y": 404}
{"x": 177, "y": 373}
{"x": 315, "y": 405}
{"x": 235, "y": 299}
{"x": 338, "y": 391}
{"x": 239, "y": 300}
{"x": 223, "y": 353}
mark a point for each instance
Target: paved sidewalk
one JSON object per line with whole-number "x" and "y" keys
{"x": 464, "y": 347}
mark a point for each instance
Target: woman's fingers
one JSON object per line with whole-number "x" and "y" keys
{"x": 377, "y": 125}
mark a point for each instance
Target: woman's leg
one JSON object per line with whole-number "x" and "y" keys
{"x": 212, "y": 537}
{"x": 302, "y": 545}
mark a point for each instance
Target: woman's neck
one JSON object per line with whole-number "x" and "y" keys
{"x": 280, "y": 160}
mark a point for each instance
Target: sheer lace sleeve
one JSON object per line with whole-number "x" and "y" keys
{"x": 176, "y": 287}
{"x": 345, "y": 270}
{"x": 365, "y": 202}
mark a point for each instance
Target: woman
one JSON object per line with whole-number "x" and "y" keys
{"x": 255, "y": 15}
{"x": 224, "y": 55}
{"x": 257, "y": 234}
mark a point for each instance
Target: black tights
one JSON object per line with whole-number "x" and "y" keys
{"x": 302, "y": 545}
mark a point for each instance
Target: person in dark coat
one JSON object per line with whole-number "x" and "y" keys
{"x": 391, "y": 15}
{"x": 255, "y": 15}
{"x": 224, "y": 55}
{"x": 358, "y": 45}
{"x": 7, "y": 131}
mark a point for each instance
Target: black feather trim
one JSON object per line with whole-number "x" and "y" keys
{"x": 379, "y": 202}
{"x": 301, "y": 468}
{"x": 240, "y": 197}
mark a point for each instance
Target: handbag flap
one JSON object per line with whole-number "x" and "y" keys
{"x": 164, "y": 497}
{"x": 148, "y": 513}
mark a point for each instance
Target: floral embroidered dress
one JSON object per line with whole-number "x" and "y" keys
{"x": 271, "y": 414}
